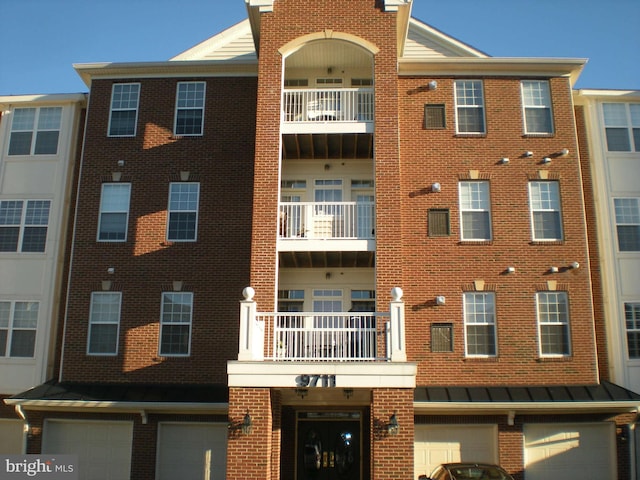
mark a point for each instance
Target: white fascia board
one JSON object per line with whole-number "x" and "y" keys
{"x": 609, "y": 94}
{"x": 49, "y": 99}
{"x": 173, "y": 68}
{"x": 394, "y": 5}
{"x": 262, "y": 5}
{"x": 523, "y": 408}
{"x": 493, "y": 66}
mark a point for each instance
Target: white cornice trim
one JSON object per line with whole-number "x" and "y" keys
{"x": 56, "y": 98}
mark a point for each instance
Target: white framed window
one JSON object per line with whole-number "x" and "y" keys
{"x": 114, "y": 212}
{"x": 536, "y": 102}
{"x": 628, "y": 223}
{"x": 123, "y": 118}
{"x": 622, "y": 126}
{"x": 35, "y": 131}
{"x": 632, "y": 322}
{"x": 546, "y": 220}
{"x": 480, "y": 324}
{"x": 190, "y": 108}
{"x": 104, "y": 323}
{"x": 553, "y": 323}
{"x": 475, "y": 211}
{"x": 24, "y": 225}
{"x": 182, "y": 224}
{"x": 291, "y": 300}
{"x": 175, "y": 323}
{"x": 469, "y": 106}
{"x": 18, "y": 326}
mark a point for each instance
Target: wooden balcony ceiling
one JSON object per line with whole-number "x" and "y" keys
{"x": 326, "y": 259}
{"x": 327, "y": 146}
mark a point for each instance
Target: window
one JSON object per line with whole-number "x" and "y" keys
{"x": 363, "y": 300}
{"x": 628, "y": 223}
{"x": 175, "y": 323}
{"x": 104, "y": 323}
{"x": 24, "y": 228}
{"x": 544, "y": 198}
{"x": 632, "y": 318}
{"x": 475, "y": 211}
{"x": 183, "y": 212}
{"x": 190, "y": 108}
{"x": 622, "y": 126}
{"x": 469, "y": 106}
{"x": 536, "y": 101}
{"x": 480, "y": 324}
{"x": 124, "y": 109}
{"x": 553, "y": 323}
{"x": 441, "y": 337}
{"x": 290, "y": 300}
{"x": 434, "y": 117}
{"x": 35, "y": 131}
{"x": 438, "y": 222}
{"x": 18, "y": 324}
{"x": 114, "y": 212}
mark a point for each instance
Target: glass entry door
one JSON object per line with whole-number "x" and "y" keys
{"x": 329, "y": 446}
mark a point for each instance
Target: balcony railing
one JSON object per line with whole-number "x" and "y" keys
{"x": 326, "y": 105}
{"x": 325, "y": 336}
{"x": 324, "y": 220}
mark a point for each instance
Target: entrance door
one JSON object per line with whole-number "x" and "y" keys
{"x": 329, "y": 446}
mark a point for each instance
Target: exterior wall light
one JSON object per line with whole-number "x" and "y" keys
{"x": 436, "y": 187}
{"x": 504, "y": 160}
{"x": 247, "y": 425}
{"x": 546, "y": 160}
{"x": 554, "y": 270}
{"x": 433, "y": 85}
{"x": 574, "y": 265}
{"x": 511, "y": 269}
{"x": 393, "y": 426}
{"x": 564, "y": 152}
{"x": 528, "y": 154}
{"x": 441, "y": 300}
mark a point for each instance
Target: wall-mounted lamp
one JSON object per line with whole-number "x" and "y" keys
{"x": 511, "y": 269}
{"x": 564, "y": 152}
{"x": 302, "y": 392}
{"x": 111, "y": 270}
{"x": 546, "y": 160}
{"x": 327, "y": 276}
{"x": 121, "y": 163}
{"x": 528, "y": 154}
{"x": 393, "y": 426}
{"x": 433, "y": 85}
{"x": 574, "y": 265}
{"x": 348, "y": 393}
{"x": 504, "y": 160}
{"x": 245, "y": 426}
{"x": 554, "y": 269}
{"x": 436, "y": 187}
{"x": 327, "y": 166}
{"x": 441, "y": 300}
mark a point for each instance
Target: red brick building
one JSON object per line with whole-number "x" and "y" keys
{"x": 331, "y": 242}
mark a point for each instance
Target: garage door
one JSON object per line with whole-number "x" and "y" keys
{"x": 103, "y": 448}
{"x": 570, "y": 451}
{"x": 189, "y": 451}
{"x": 436, "y": 444}
{"x": 11, "y": 436}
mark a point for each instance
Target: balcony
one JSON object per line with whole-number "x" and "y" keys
{"x": 328, "y": 110}
{"x": 326, "y": 220}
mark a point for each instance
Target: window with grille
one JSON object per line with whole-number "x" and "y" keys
{"x": 434, "y": 116}
{"x": 35, "y": 131}
{"x": 480, "y": 324}
{"x": 175, "y": 323}
{"x": 622, "y": 126}
{"x": 18, "y": 325}
{"x": 438, "y": 222}
{"x": 190, "y": 108}
{"x": 469, "y": 107}
{"x": 536, "y": 101}
{"x": 475, "y": 211}
{"x": 24, "y": 225}
{"x": 290, "y": 300}
{"x": 441, "y": 337}
{"x": 104, "y": 323}
{"x": 632, "y": 320}
{"x": 124, "y": 109}
{"x": 553, "y": 323}
{"x": 114, "y": 212}
{"x": 182, "y": 224}
{"x": 628, "y": 223}
{"x": 546, "y": 219}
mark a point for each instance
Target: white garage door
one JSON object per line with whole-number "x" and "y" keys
{"x": 570, "y": 451}
{"x": 103, "y": 448}
{"x": 11, "y": 436}
{"x": 436, "y": 444}
{"x": 191, "y": 451}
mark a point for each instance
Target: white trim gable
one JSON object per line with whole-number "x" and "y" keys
{"x": 424, "y": 41}
{"x": 234, "y": 44}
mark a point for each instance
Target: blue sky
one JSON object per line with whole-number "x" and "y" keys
{"x": 41, "y": 39}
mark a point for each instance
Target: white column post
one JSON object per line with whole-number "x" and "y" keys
{"x": 396, "y": 310}
{"x": 251, "y": 342}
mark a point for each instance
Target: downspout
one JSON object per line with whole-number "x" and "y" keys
{"x": 25, "y": 428}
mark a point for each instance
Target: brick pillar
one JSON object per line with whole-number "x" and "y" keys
{"x": 392, "y": 455}
{"x": 249, "y": 455}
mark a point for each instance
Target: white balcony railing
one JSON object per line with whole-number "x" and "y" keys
{"x": 323, "y": 220}
{"x": 324, "y": 336}
{"x": 326, "y": 105}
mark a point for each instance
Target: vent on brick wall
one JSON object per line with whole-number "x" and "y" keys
{"x": 434, "y": 116}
